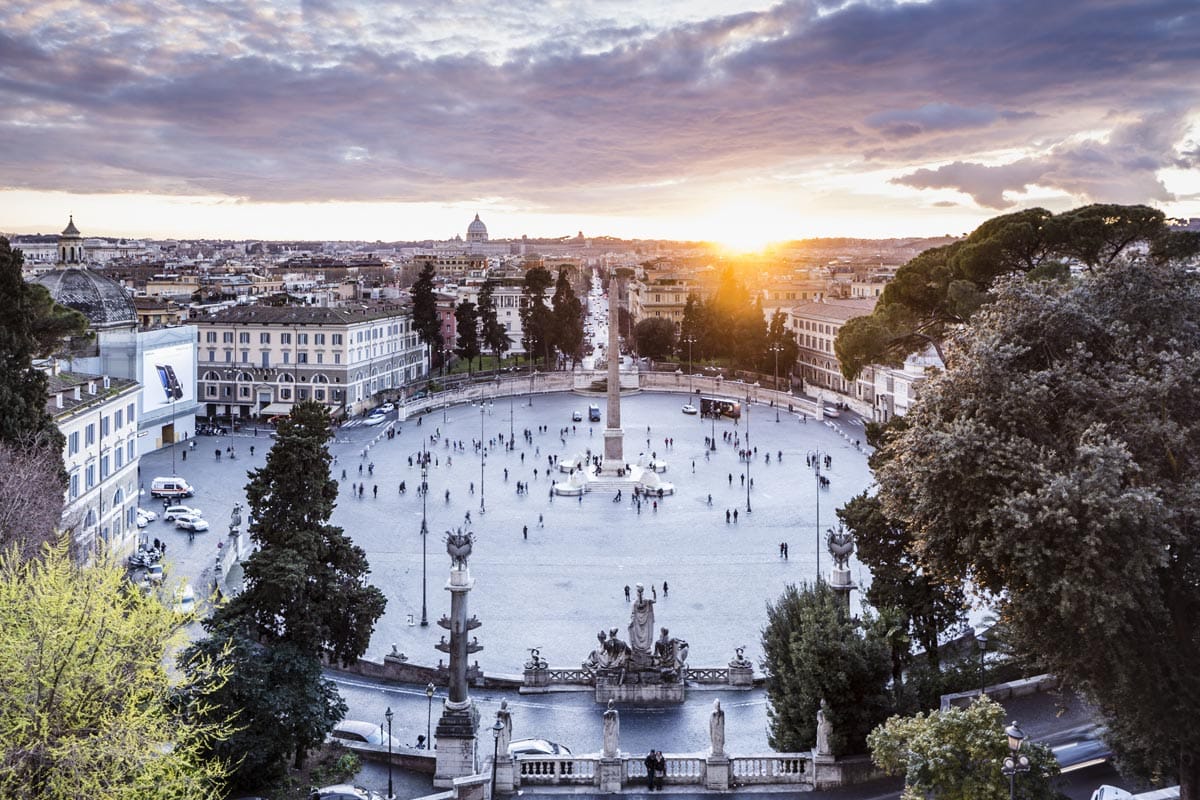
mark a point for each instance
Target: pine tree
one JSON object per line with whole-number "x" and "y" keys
{"x": 568, "y": 317}
{"x": 425, "y": 315}
{"x": 467, "y": 322}
{"x": 492, "y": 333}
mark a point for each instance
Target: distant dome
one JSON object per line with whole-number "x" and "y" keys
{"x": 477, "y": 231}
{"x": 99, "y": 298}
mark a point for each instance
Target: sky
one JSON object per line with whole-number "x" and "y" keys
{"x": 737, "y": 122}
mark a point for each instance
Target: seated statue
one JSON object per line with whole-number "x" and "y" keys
{"x": 598, "y": 658}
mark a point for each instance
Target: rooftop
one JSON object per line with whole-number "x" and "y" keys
{"x": 65, "y": 382}
{"x": 304, "y": 315}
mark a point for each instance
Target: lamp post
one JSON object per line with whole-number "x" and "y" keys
{"x": 424, "y": 539}
{"x": 497, "y": 729}
{"x": 1016, "y": 760}
{"x": 482, "y": 449}
{"x": 429, "y": 690}
{"x": 532, "y": 375}
{"x": 749, "y": 452}
{"x": 388, "y": 715}
{"x": 775, "y": 348}
{"x": 511, "y": 389}
{"x": 982, "y": 641}
{"x": 814, "y": 458}
{"x": 690, "y": 339}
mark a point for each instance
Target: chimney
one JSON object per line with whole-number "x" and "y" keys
{"x": 77, "y": 395}
{"x": 107, "y": 382}
{"x": 91, "y": 387}
{"x": 59, "y": 400}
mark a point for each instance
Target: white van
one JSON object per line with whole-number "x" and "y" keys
{"x": 172, "y": 488}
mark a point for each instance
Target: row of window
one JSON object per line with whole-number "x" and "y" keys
{"x": 101, "y": 470}
{"x": 108, "y": 424}
{"x": 264, "y": 337}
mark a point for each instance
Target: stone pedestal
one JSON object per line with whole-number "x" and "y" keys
{"x": 741, "y": 676}
{"x": 611, "y": 770}
{"x": 455, "y": 749}
{"x": 640, "y": 694}
{"x": 716, "y": 773}
{"x": 614, "y": 449}
{"x": 505, "y": 779}
{"x": 535, "y": 678}
{"x": 826, "y": 774}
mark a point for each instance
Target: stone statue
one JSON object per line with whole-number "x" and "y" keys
{"x": 504, "y": 717}
{"x": 458, "y": 546}
{"x": 716, "y": 731}
{"x": 641, "y": 624}
{"x": 841, "y": 545}
{"x": 612, "y": 732}
{"x": 824, "y": 729}
{"x": 598, "y": 658}
{"x": 739, "y": 659}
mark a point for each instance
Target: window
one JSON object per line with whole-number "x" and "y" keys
{"x": 320, "y": 358}
{"x": 73, "y": 443}
{"x": 228, "y": 356}
{"x": 302, "y": 358}
{"x": 90, "y": 483}
{"x": 318, "y": 338}
{"x": 118, "y": 419}
{"x": 285, "y": 394}
{"x": 337, "y": 358}
{"x": 244, "y": 337}
{"x": 211, "y": 337}
{"x": 212, "y": 354}
{"x": 319, "y": 394}
{"x": 90, "y": 434}
{"x": 130, "y": 451}
{"x": 129, "y": 413}
{"x": 227, "y": 337}
{"x": 301, "y": 338}
{"x": 210, "y": 390}
{"x": 266, "y": 360}
{"x": 119, "y": 456}
{"x": 285, "y": 338}
{"x": 243, "y": 391}
{"x": 264, "y": 338}
{"x": 74, "y": 485}
{"x": 286, "y": 354}
{"x": 103, "y": 467}
{"x": 337, "y": 338}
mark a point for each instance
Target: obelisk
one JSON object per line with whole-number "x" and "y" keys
{"x": 614, "y": 436}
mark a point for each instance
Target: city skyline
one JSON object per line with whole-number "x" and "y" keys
{"x": 340, "y": 120}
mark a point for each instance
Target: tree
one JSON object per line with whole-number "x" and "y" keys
{"x": 692, "y": 327}
{"x": 781, "y": 345}
{"x": 305, "y": 585}
{"x": 266, "y": 685}
{"x": 814, "y": 651}
{"x": 938, "y": 291}
{"x": 655, "y": 337}
{"x": 425, "y": 313}
{"x": 536, "y": 319}
{"x": 957, "y": 755}
{"x": 87, "y": 708}
{"x": 1054, "y": 465}
{"x": 492, "y": 333}
{"x": 568, "y": 317}
{"x": 30, "y": 506}
{"x": 467, "y": 321}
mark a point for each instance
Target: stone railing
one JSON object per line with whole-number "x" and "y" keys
{"x": 770, "y": 769}
{"x": 708, "y": 674}
{"x": 553, "y": 770}
{"x": 538, "y": 679}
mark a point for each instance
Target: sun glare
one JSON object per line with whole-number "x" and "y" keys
{"x": 749, "y": 226}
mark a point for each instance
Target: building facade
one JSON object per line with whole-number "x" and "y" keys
{"x": 99, "y": 422}
{"x": 258, "y": 361}
{"x": 816, "y": 326}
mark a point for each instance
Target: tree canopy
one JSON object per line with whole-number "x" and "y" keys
{"x": 425, "y": 314}
{"x": 466, "y": 320}
{"x": 655, "y": 337}
{"x": 1054, "y": 464}
{"x": 813, "y": 650}
{"x": 492, "y": 334}
{"x": 537, "y": 320}
{"x": 957, "y": 755}
{"x": 568, "y": 317}
{"x": 936, "y": 292}
{"x": 87, "y": 708}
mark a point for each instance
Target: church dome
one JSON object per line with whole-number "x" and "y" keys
{"x": 102, "y": 300}
{"x": 477, "y": 231}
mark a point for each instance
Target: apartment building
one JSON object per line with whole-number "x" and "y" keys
{"x": 816, "y": 326}
{"x": 98, "y": 419}
{"x": 258, "y": 361}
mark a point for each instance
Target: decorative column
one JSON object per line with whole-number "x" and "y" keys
{"x": 456, "y": 741}
{"x": 841, "y": 547}
{"x": 614, "y": 436}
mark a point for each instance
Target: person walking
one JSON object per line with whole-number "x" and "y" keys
{"x": 660, "y": 769}
{"x": 627, "y": 593}
{"x": 665, "y": 589}
{"x": 525, "y": 531}
{"x": 375, "y": 491}
{"x": 735, "y": 515}
{"x": 651, "y": 763}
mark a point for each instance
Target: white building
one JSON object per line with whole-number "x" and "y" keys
{"x": 258, "y": 361}
{"x": 897, "y": 389}
{"x": 98, "y": 419}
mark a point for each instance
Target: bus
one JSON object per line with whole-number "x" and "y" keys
{"x": 720, "y": 407}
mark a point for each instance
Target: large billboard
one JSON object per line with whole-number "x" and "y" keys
{"x": 168, "y": 376}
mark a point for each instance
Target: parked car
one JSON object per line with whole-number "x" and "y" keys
{"x": 537, "y": 747}
{"x": 191, "y": 522}
{"x": 148, "y": 514}
{"x": 355, "y": 730}
{"x": 344, "y": 791}
{"x": 688, "y": 408}
{"x": 154, "y": 573}
{"x": 172, "y": 513}
{"x": 831, "y": 412}
{"x": 577, "y": 416}
{"x": 185, "y": 600}
{"x": 171, "y": 487}
{"x": 388, "y": 407}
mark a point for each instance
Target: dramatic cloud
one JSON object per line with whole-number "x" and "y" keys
{"x": 593, "y": 106}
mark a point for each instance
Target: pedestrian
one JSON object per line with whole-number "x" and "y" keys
{"x": 343, "y": 474}
{"x": 360, "y": 490}
{"x": 665, "y": 589}
{"x": 218, "y": 452}
{"x": 525, "y": 531}
{"x": 185, "y": 455}
{"x": 653, "y": 592}
{"x": 727, "y": 516}
{"x": 627, "y": 593}
{"x": 660, "y": 769}
{"x": 541, "y": 521}
{"x": 375, "y": 491}
{"x": 710, "y": 499}
{"x": 252, "y": 451}
{"x": 360, "y": 469}
{"x": 735, "y": 515}
{"x": 651, "y": 765}
{"x": 731, "y": 479}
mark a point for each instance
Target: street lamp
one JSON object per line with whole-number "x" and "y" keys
{"x": 814, "y": 458}
{"x": 982, "y": 641}
{"x": 749, "y": 452}
{"x": 482, "y": 449}
{"x": 690, "y": 339}
{"x": 532, "y": 375}
{"x": 388, "y": 715}
{"x": 511, "y": 389}
{"x": 429, "y": 690}
{"x": 424, "y": 539}
{"x": 497, "y": 729}
{"x": 775, "y": 348}
{"x": 1016, "y": 761}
